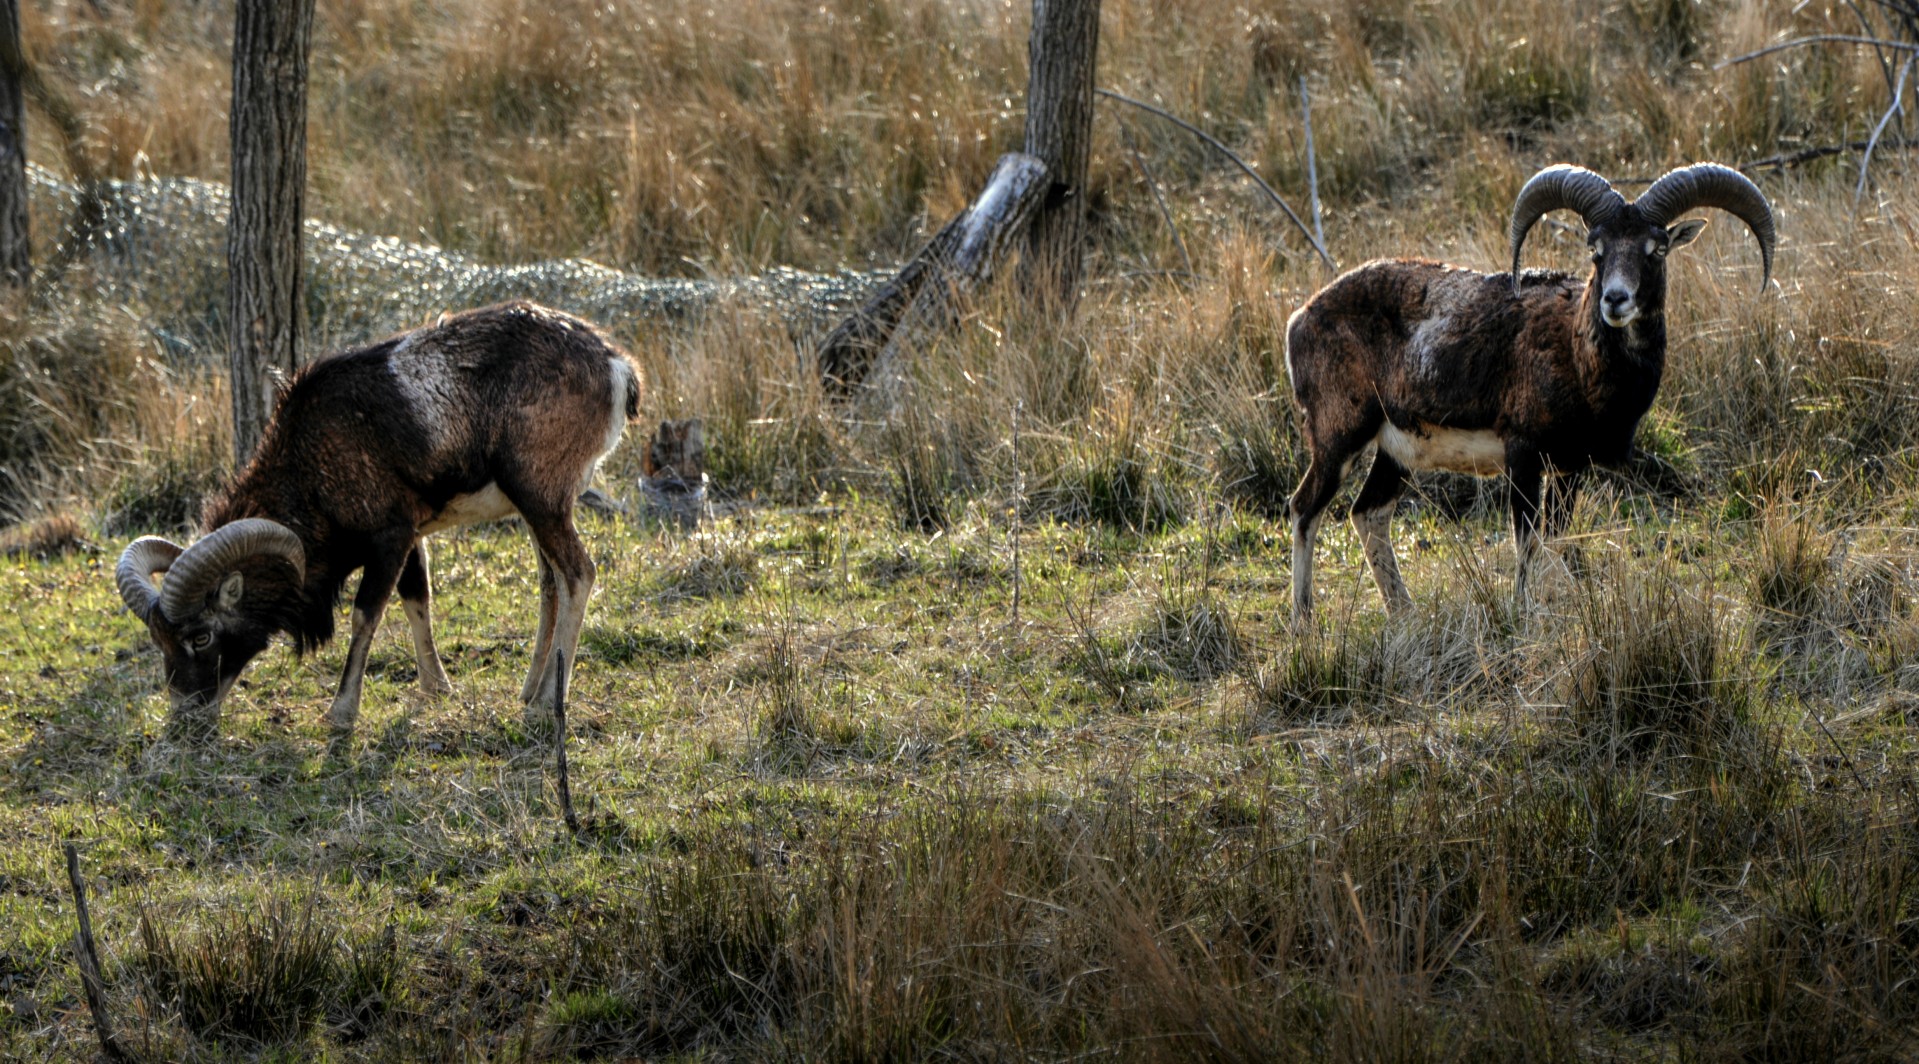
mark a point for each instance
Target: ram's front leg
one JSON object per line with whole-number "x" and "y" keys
{"x": 1562, "y": 494}
{"x": 376, "y": 587}
{"x": 416, "y": 600}
{"x": 1525, "y": 471}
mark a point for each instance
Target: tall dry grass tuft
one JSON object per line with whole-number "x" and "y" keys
{"x": 1793, "y": 572}
{"x": 1652, "y": 667}
{"x": 91, "y": 410}
{"x": 268, "y": 975}
{"x": 931, "y": 466}
{"x": 1189, "y": 630}
{"x": 1822, "y": 970}
{"x": 1116, "y": 475}
{"x": 699, "y": 953}
{"x": 770, "y": 432}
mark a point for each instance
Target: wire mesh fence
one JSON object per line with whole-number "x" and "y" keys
{"x": 157, "y": 246}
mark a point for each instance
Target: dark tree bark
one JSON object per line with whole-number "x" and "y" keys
{"x": 265, "y": 288}
{"x": 16, "y": 253}
{"x": 1059, "y": 132}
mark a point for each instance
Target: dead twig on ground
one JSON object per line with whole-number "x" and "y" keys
{"x": 87, "y": 955}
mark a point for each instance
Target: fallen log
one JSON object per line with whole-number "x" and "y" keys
{"x": 926, "y": 296}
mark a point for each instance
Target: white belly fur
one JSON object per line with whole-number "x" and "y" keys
{"x": 1475, "y": 451}
{"x": 487, "y": 504}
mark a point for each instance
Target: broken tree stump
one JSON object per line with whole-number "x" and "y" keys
{"x": 926, "y": 296}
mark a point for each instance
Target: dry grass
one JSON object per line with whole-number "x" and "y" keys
{"x": 845, "y": 800}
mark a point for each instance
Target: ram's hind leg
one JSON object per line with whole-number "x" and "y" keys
{"x": 543, "y": 633}
{"x": 567, "y": 581}
{"x": 416, "y": 600}
{"x": 1373, "y": 518}
{"x": 1333, "y": 449}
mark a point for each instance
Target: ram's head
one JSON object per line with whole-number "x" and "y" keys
{"x": 219, "y": 605}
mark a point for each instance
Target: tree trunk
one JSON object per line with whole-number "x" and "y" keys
{"x": 1059, "y": 132}
{"x": 265, "y": 289}
{"x": 16, "y": 253}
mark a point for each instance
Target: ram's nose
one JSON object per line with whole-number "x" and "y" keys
{"x": 1617, "y": 306}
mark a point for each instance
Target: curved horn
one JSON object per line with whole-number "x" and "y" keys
{"x": 142, "y": 558}
{"x": 1574, "y": 188}
{"x": 206, "y": 562}
{"x": 1712, "y": 185}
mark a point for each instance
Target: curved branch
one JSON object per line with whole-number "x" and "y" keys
{"x": 1897, "y": 107}
{"x": 1821, "y": 38}
{"x": 1241, "y": 163}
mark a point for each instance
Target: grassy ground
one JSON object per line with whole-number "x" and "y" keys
{"x": 976, "y": 733}
{"x": 842, "y": 802}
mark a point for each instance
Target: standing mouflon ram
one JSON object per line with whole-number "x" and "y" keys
{"x": 506, "y": 409}
{"x": 1447, "y": 368}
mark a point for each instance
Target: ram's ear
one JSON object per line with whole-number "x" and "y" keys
{"x": 1679, "y": 234}
{"x": 232, "y": 589}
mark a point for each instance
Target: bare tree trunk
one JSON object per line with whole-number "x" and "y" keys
{"x": 1039, "y": 193}
{"x": 265, "y": 289}
{"x": 16, "y": 252}
{"x": 1059, "y": 132}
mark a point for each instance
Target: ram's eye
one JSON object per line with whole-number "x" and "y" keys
{"x": 200, "y": 642}
{"x": 1597, "y": 256}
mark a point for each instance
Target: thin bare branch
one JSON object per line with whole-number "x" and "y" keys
{"x": 1803, "y": 155}
{"x": 1821, "y": 38}
{"x": 1898, "y": 106}
{"x": 1152, "y": 183}
{"x": 1312, "y": 160}
{"x": 1244, "y": 166}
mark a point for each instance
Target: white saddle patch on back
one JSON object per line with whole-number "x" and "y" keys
{"x": 1476, "y": 451}
{"x": 430, "y": 385}
{"x": 487, "y": 504}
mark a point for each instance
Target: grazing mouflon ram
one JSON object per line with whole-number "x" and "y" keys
{"x": 1516, "y": 374}
{"x": 506, "y": 409}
